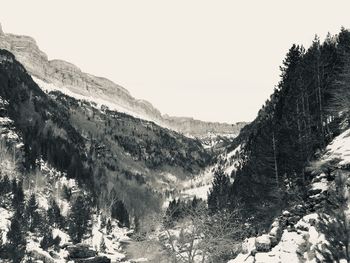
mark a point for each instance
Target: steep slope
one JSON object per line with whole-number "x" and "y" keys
{"x": 69, "y": 79}
{"x": 102, "y": 149}
{"x": 295, "y": 235}
{"x": 61, "y": 149}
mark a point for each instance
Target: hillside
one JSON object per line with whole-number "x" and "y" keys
{"x": 69, "y": 79}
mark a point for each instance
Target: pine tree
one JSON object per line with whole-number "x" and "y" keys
{"x": 5, "y": 185}
{"x": 32, "y": 214}
{"x": 120, "y": 212}
{"x": 48, "y": 240}
{"x": 79, "y": 219}
{"x": 16, "y": 238}
{"x": 18, "y": 195}
{"x": 218, "y": 197}
{"x": 54, "y": 215}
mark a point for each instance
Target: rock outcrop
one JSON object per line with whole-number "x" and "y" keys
{"x": 80, "y": 251}
{"x": 68, "y": 78}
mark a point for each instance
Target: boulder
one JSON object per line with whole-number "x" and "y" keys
{"x": 293, "y": 219}
{"x": 54, "y": 255}
{"x": 314, "y": 191}
{"x": 275, "y": 234}
{"x": 286, "y": 213}
{"x": 263, "y": 243}
{"x": 80, "y": 251}
{"x": 275, "y": 231}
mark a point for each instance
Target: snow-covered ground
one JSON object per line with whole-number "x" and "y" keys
{"x": 99, "y": 101}
{"x": 339, "y": 148}
{"x": 303, "y": 243}
{"x": 200, "y": 185}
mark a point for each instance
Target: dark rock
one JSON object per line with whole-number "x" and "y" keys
{"x": 314, "y": 191}
{"x": 80, "y": 251}
{"x": 65, "y": 245}
{"x": 54, "y": 255}
{"x": 263, "y": 243}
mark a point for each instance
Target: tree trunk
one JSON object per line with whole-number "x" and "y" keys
{"x": 275, "y": 157}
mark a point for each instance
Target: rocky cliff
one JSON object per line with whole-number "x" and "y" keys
{"x": 69, "y": 79}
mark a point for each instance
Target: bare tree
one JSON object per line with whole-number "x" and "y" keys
{"x": 199, "y": 237}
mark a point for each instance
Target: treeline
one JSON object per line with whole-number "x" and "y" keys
{"x": 28, "y": 218}
{"x": 98, "y": 148}
{"x": 44, "y": 127}
{"x": 300, "y": 118}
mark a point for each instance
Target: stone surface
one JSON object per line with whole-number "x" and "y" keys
{"x": 248, "y": 245}
{"x": 263, "y": 243}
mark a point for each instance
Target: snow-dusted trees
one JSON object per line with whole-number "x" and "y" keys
{"x": 31, "y": 213}
{"x": 16, "y": 244}
{"x": 198, "y": 236}
{"x": 218, "y": 197}
{"x": 79, "y": 219}
{"x": 54, "y": 215}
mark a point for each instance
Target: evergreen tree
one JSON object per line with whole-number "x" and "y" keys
{"x": 48, "y": 240}
{"x": 54, "y": 215}
{"x": 18, "y": 195}
{"x": 120, "y": 213}
{"x": 5, "y": 185}
{"x": 79, "y": 219}
{"x": 32, "y": 214}
{"x": 218, "y": 197}
{"x": 16, "y": 238}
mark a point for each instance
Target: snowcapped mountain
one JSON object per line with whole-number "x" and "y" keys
{"x": 69, "y": 79}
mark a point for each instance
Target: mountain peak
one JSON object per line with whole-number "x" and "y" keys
{"x": 1, "y": 32}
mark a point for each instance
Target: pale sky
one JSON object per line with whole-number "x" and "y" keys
{"x": 211, "y": 60}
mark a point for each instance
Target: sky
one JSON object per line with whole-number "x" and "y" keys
{"x": 212, "y": 60}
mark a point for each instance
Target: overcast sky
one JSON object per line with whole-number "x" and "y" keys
{"x": 212, "y": 60}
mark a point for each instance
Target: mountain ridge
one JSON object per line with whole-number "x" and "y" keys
{"x": 65, "y": 75}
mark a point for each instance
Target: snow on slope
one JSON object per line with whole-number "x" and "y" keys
{"x": 98, "y": 101}
{"x": 200, "y": 185}
{"x": 302, "y": 243}
{"x": 47, "y": 183}
{"x": 339, "y": 148}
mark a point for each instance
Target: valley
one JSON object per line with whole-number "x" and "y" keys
{"x": 88, "y": 173}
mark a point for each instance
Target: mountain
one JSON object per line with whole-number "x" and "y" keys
{"x": 105, "y": 186}
{"x": 85, "y": 163}
{"x": 69, "y": 79}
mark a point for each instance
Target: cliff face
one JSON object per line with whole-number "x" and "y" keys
{"x": 65, "y": 76}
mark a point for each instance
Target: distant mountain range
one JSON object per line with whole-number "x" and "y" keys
{"x": 69, "y": 79}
